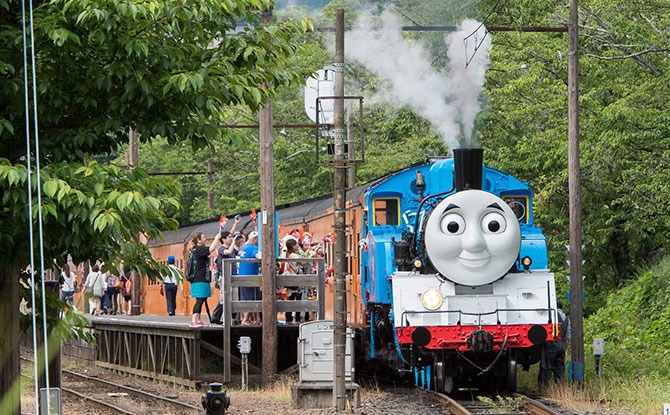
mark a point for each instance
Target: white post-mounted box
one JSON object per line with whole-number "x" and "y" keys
{"x": 598, "y": 347}
{"x": 316, "y": 357}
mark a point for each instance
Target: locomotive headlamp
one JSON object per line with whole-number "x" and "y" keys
{"x": 526, "y": 262}
{"x": 431, "y": 299}
{"x": 418, "y": 263}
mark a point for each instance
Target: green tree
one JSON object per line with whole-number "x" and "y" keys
{"x": 168, "y": 69}
{"x": 623, "y": 133}
{"x": 235, "y": 154}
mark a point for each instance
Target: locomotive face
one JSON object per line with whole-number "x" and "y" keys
{"x": 472, "y": 237}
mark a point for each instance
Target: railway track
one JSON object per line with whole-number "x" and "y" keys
{"x": 114, "y": 398}
{"x": 120, "y": 398}
{"x": 515, "y": 404}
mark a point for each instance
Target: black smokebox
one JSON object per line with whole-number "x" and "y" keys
{"x": 468, "y": 168}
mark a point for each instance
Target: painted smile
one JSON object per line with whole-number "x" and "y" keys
{"x": 474, "y": 262}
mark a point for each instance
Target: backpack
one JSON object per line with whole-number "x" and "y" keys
{"x": 190, "y": 267}
{"x": 127, "y": 284}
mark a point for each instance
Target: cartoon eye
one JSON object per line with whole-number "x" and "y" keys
{"x": 452, "y": 224}
{"x": 494, "y": 223}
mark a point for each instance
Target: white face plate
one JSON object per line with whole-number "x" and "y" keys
{"x": 472, "y": 237}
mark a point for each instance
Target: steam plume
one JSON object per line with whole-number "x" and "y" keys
{"x": 448, "y": 98}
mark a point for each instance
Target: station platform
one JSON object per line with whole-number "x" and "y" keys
{"x": 167, "y": 348}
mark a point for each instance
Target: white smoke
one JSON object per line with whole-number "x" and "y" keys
{"x": 448, "y": 98}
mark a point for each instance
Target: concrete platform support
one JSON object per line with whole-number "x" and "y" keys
{"x": 319, "y": 395}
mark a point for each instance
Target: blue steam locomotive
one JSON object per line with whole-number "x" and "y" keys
{"x": 455, "y": 274}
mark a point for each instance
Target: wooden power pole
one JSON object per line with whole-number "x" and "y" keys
{"x": 576, "y": 364}
{"x": 268, "y": 241}
{"x": 339, "y": 199}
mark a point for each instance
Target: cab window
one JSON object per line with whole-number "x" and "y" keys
{"x": 386, "y": 211}
{"x": 519, "y": 205}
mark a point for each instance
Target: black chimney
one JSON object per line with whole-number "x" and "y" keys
{"x": 468, "y": 168}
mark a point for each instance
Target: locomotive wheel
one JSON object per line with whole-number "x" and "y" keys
{"x": 438, "y": 369}
{"x": 442, "y": 382}
{"x": 448, "y": 384}
{"x": 511, "y": 372}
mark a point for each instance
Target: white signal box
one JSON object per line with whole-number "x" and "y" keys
{"x": 598, "y": 347}
{"x": 323, "y": 85}
{"x": 244, "y": 344}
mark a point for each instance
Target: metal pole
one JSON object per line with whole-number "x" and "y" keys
{"x": 245, "y": 371}
{"x": 339, "y": 199}
{"x": 351, "y": 178}
{"x": 132, "y": 148}
{"x": 576, "y": 365}
{"x": 135, "y": 293}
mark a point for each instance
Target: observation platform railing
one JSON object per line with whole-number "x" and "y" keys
{"x": 229, "y": 282}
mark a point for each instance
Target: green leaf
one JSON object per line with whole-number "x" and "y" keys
{"x": 50, "y": 187}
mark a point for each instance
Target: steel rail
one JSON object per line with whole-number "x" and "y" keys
{"x": 98, "y": 401}
{"x": 536, "y": 407}
{"x": 133, "y": 390}
{"x": 528, "y": 405}
{"x": 453, "y": 406}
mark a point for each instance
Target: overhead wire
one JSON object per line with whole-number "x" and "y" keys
{"x": 474, "y": 34}
{"x": 30, "y": 88}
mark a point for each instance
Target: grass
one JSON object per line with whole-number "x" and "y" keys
{"x": 638, "y": 393}
{"x": 626, "y": 395}
{"x": 279, "y": 390}
{"x": 635, "y": 375}
{"x": 642, "y": 392}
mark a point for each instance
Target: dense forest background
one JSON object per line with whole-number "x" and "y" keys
{"x": 522, "y": 125}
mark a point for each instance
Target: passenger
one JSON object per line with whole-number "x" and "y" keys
{"x": 239, "y": 241}
{"x": 226, "y": 250}
{"x": 170, "y": 283}
{"x": 552, "y": 362}
{"x": 127, "y": 283}
{"x": 95, "y": 281}
{"x": 111, "y": 299}
{"x": 248, "y": 251}
{"x": 201, "y": 289}
{"x": 295, "y": 268}
{"x": 67, "y": 280}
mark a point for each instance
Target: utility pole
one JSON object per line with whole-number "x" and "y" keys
{"x": 135, "y": 279}
{"x": 339, "y": 198}
{"x": 210, "y": 185}
{"x": 268, "y": 241}
{"x": 132, "y": 157}
{"x": 351, "y": 180}
{"x": 576, "y": 365}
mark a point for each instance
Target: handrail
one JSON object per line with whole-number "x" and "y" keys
{"x": 228, "y": 281}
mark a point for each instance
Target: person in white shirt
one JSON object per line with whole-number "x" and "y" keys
{"x": 96, "y": 281}
{"x": 67, "y": 279}
{"x": 170, "y": 283}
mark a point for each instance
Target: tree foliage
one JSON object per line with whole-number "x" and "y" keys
{"x": 623, "y": 133}
{"x": 163, "y": 68}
